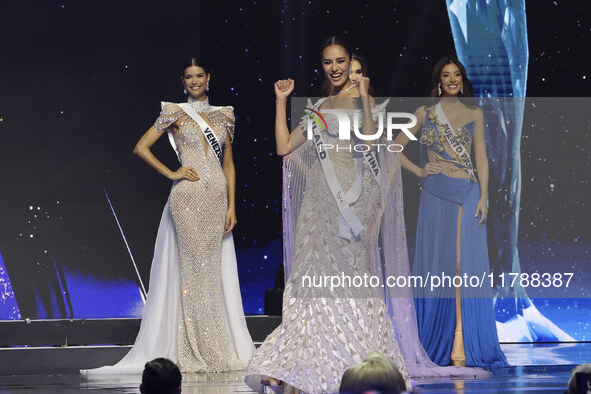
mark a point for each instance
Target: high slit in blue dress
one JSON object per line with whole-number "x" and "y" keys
{"x": 435, "y": 254}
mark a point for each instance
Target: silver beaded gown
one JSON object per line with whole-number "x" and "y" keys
{"x": 324, "y": 332}
{"x": 198, "y": 211}
{"x": 193, "y": 312}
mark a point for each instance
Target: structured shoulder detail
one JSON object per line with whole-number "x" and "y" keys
{"x": 169, "y": 114}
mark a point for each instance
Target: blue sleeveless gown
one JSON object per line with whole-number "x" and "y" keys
{"x": 435, "y": 253}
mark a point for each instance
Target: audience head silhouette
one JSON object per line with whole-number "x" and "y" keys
{"x": 161, "y": 376}
{"x": 580, "y": 380}
{"x": 376, "y": 373}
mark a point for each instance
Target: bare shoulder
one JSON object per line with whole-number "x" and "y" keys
{"x": 477, "y": 113}
{"x": 421, "y": 114}
{"x": 421, "y": 111}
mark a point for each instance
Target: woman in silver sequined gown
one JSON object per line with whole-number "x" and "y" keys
{"x": 323, "y": 333}
{"x": 190, "y": 315}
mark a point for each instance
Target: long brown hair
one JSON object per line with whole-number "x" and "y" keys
{"x": 364, "y": 70}
{"x": 467, "y": 96}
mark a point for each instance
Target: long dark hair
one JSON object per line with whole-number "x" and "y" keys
{"x": 161, "y": 376}
{"x": 327, "y": 88}
{"x": 467, "y": 96}
{"x": 194, "y": 62}
{"x": 364, "y": 70}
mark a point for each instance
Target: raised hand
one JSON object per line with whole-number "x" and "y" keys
{"x": 283, "y": 88}
{"x": 363, "y": 85}
{"x": 188, "y": 173}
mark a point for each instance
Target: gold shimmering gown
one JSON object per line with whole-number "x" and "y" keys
{"x": 198, "y": 211}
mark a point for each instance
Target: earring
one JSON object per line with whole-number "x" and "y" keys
{"x": 439, "y": 89}
{"x": 462, "y": 89}
{"x": 207, "y": 87}
{"x": 185, "y": 91}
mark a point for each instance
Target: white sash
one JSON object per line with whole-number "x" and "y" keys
{"x": 453, "y": 141}
{"x": 348, "y": 221}
{"x": 345, "y": 210}
{"x": 371, "y": 157}
{"x": 210, "y": 136}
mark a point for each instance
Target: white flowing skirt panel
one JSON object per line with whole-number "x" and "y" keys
{"x": 158, "y": 332}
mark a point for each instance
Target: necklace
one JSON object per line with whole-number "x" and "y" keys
{"x": 200, "y": 105}
{"x": 343, "y": 91}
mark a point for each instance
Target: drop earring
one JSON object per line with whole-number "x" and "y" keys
{"x": 207, "y": 87}
{"x": 462, "y": 89}
{"x": 185, "y": 91}
{"x": 439, "y": 89}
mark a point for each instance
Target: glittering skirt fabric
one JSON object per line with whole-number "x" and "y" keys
{"x": 198, "y": 211}
{"x": 323, "y": 333}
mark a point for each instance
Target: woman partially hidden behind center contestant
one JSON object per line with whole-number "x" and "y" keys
{"x": 193, "y": 311}
{"x": 324, "y": 333}
{"x": 456, "y": 327}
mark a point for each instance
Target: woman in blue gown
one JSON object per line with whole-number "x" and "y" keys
{"x": 456, "y": 325}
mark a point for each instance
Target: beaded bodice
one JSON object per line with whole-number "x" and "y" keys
{"x": 432, "y": 137}
{"x": 192, "y": 148}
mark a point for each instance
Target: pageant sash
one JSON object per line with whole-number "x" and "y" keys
{"x": 371, "y": 157}
{"x": 210, "y": 136}
{"x": 458, "y": 148}
{"x": 348, "y": 221}
{"x": 173, "y": 144}
{"x": 372, "y": 161}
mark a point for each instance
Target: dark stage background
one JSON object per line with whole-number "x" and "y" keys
{"x": 81, "y": 81}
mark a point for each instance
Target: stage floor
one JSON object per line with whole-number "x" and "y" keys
{"x": 535, "y": 368}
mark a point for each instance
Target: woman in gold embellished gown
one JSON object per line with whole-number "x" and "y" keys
{"x": 193, "y": 312}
